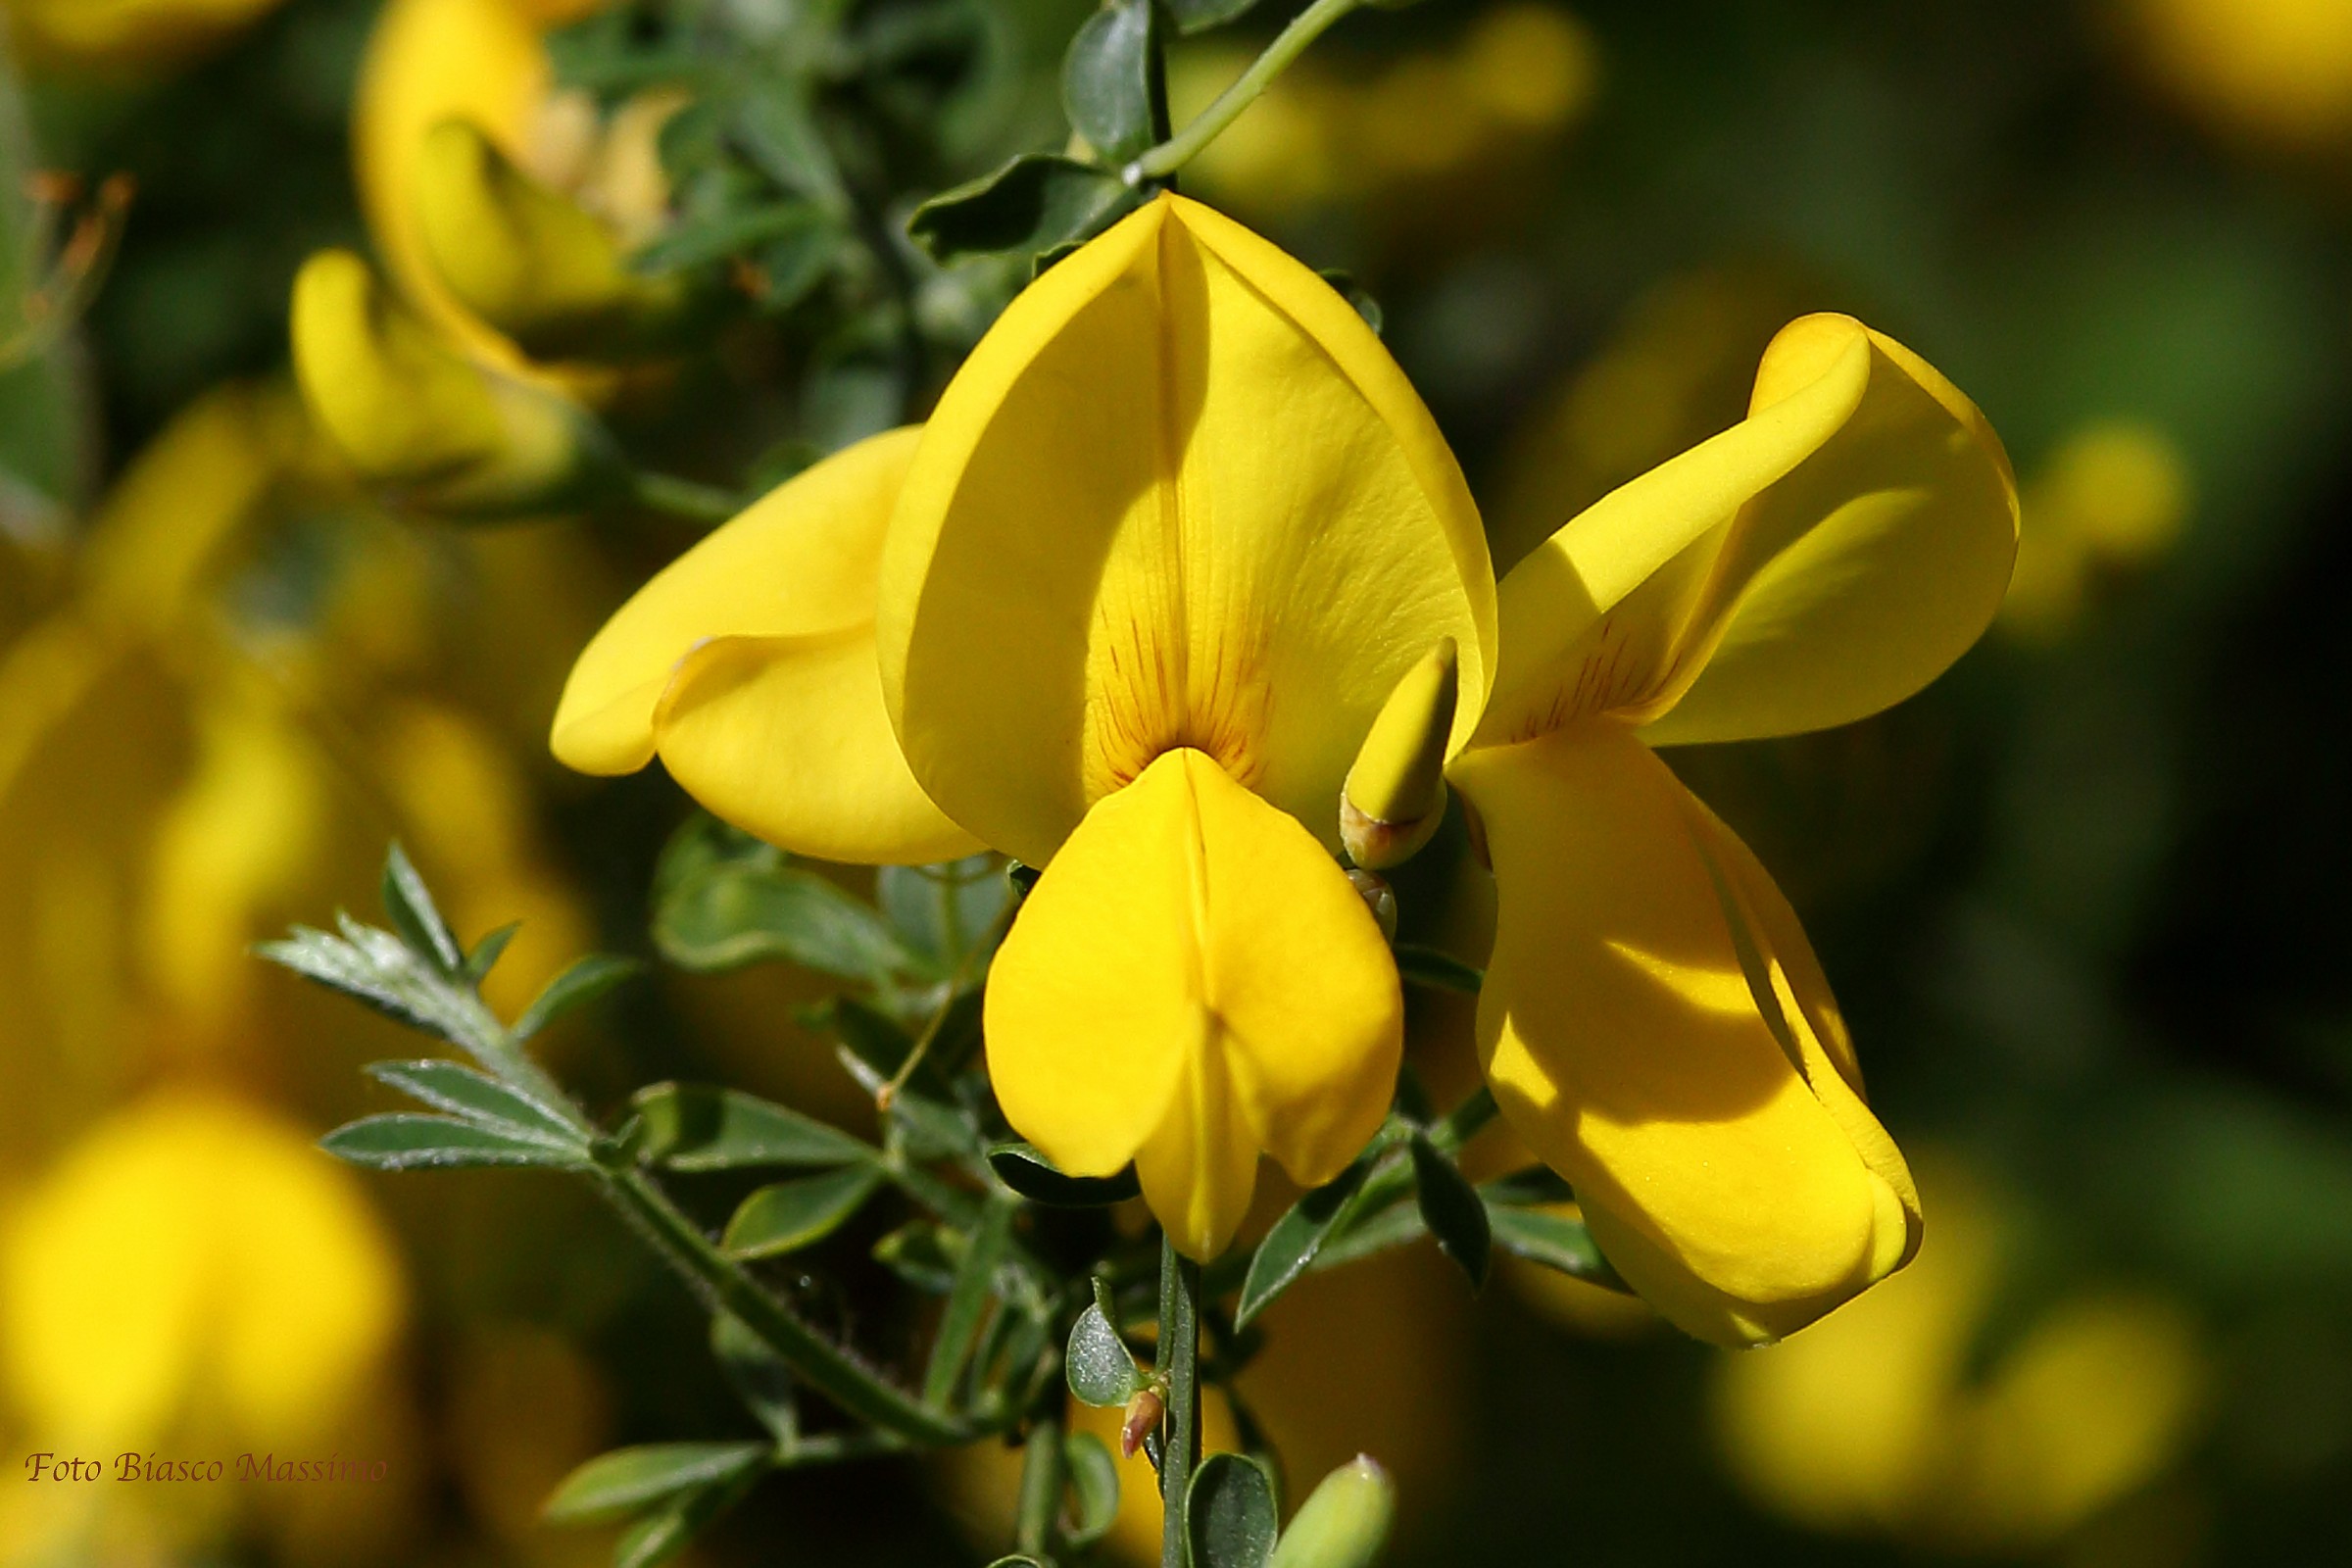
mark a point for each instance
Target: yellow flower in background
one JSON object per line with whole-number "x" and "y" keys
{"x": 2273, "y": 69}
{"x": 2115, "y": 496}
{"x": 1653, "y": 1021}
{"x": 1877, "y": 1422}
{"x": 430, "y": 425}
{"x": 133, "y": 32}
{"x": 193, "y": 1259}
{"x": 1513, "y": 82}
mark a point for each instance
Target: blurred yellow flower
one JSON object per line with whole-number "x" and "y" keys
{"x": 2115, "y": 496}
{"x": 2274, "y": 70}
{"x": 1875, "y": 1420}
{"x": 127, "y": 32}
{"x": 1517, "y": 77}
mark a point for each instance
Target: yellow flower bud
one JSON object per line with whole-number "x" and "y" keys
{"x": 529, "y": 260}
{"x": 1394, "y": 796}
{"x": 1345, "y": 1524}
{"x": 415, "y": 415}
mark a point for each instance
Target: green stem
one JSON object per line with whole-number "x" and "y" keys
{"x": 1159, "y": 161}
{"x": 1043, "y": 1478}
{"x": 685, "y": 498}
{"x": 1179, "y": 1365}
{"x": 823, "y": 1365}
{"x": 1465, "y": 1122}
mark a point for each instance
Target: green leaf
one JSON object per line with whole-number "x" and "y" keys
{"x": 1554, "y": 1241}
{"x": 379, "y": 969}
{"x": 1094, "y": 1489}
{"x": 944, "y": 912}
{"x": 1375, "y": 1227}
{"x": 735, "y": 912}
{"x": 1032, "y": 204}
{"x": 1427, "y": 967}
{"x": 583, "y": 982}
{"x": 1198, "y": 15}
{"x": 1107, "y": 79}
{"x": 919, "y": 1253}
{"x": 698, "y": 1127}
{"x": 932, "y": 1129}
{"x": 759, "y": 1376}
{"x": 975, "y": 1277}
{"x": 1290, "y": 1245}
{"x": 1451, "y": 1209}
{"x": 1029, "y": 1173}
{"x": 415, "y": 916}
{"x": 614, "y": 1486}
{"x": 789, "y": 1215}
{"x": 487, "y": 951}
{"x": 478, "y": 1097}
{"x": 408, "y": 1142}
{"x": 775, "y": 124}
{"x": 1229, "y": 1514}
{"x": 1102, "y": 1369}
{"x": 1530, "y": 1188}
{"x": 701, "y": 241}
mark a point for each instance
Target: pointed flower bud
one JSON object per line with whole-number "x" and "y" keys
{"x": 416, "y": 416}
{"x": 530, "y": 260}
{"x": 1345, "y": 1524}
{"x": 1394, "y": 796}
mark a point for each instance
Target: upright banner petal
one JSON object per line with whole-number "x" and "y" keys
{"x": 1192, "y": 981}
{"x": 1656, "y": 1029}
{"x": 1180, "y": 495}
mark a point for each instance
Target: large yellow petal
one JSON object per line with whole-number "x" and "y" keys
{"x": 1656, "y": 1028}
{"x": 431, "y": 61}
{"x": 800, "y": 562}
{"x": 1822, "y": 559}
{"x": 749, "y": 664}
{"x": 1179, "y": 496}
{"x": 1192, "y": 981}
{"x": 786, "y": 738}
{"x": 1863, "y": 575}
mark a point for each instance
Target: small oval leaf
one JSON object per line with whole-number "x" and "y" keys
{"x": 1229, "y": 1515}
{"x": 1101, "y": 1370}
{"x": 1094, "y": 1489}
{"x": 1032, "y": 204}
{"x": 1107, "y": 79}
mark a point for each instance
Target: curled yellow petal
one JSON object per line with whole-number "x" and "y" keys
{"x": 749, "y": 664}
{"x": 1179, "y": 496}
{"x": 1656, "y": 1028}
{"x": 1822, "y": 559}
{"x": 415, "y": 415}
{"x": 1395, "y": 793}
{"x": 531, "y": 262}
{"x": 1194, "y": 981}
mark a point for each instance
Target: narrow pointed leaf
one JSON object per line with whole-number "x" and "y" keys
{"x": 582, "y": 983}
{"x": 1556, "y": 1241}
{"x": 377, "y": 968}
{"x": 1101, "y": 1370}
{"x": 615, "y": 1485}
{"x": 1451, "y": 1209}
{"x": 967, "y": 1298}
{"x": 405, "y": 1142}
{"x": 1029, "y": 1173}
{"x": 1290, "y": 1245}
{"x": 413, "y": 915}
{"x": 697, "y": 1127}
{"x": 789, "y": 1215}
{"x": 478, "y": 1097}
{"x": 1229, "y": 1513}
{"x": 1531, "y": 1188}
{"x": 487, "y": 951}
{"x": 734, "y": 913}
